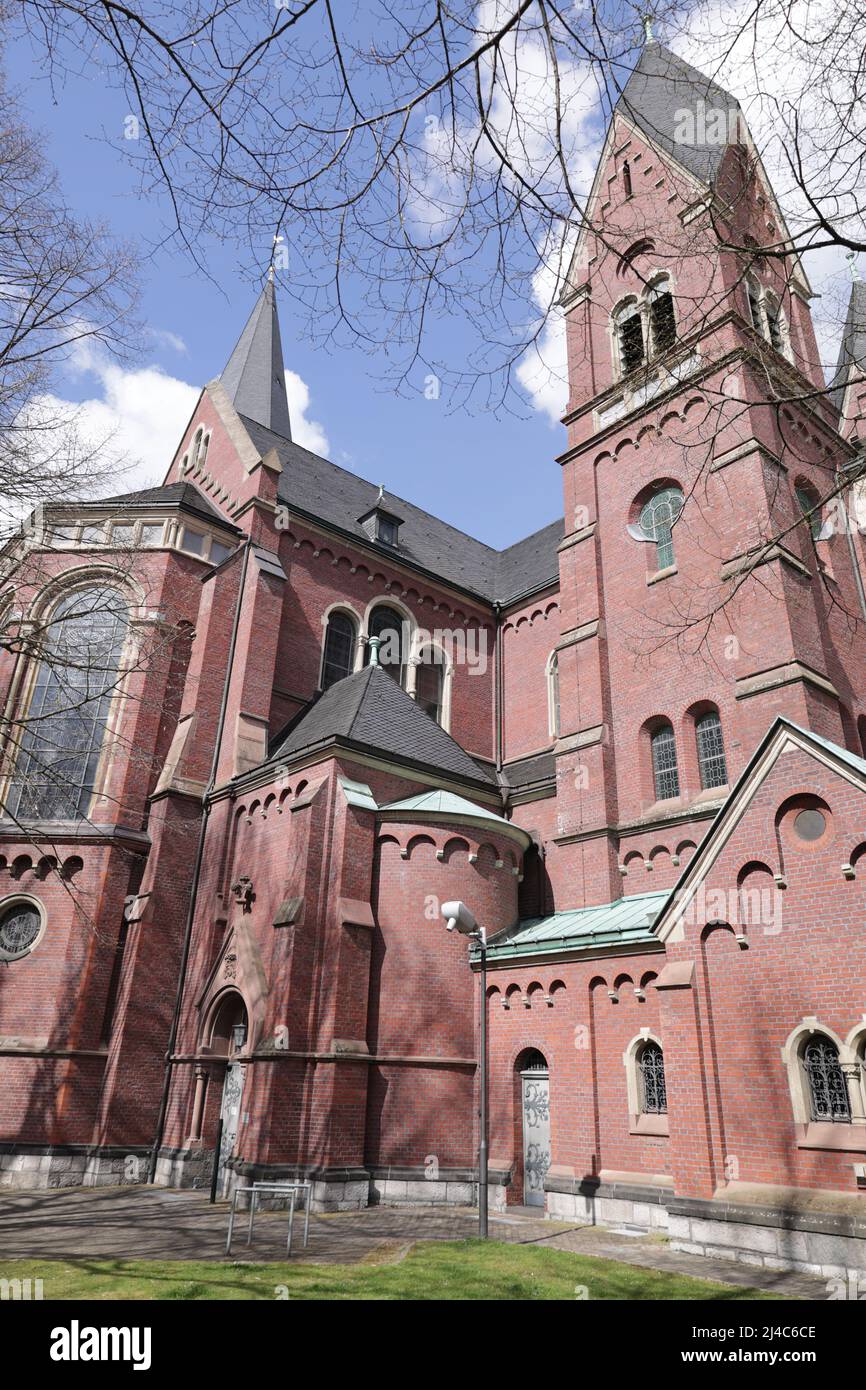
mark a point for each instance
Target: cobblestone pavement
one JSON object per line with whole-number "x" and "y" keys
{"x": 156, "y": 1223}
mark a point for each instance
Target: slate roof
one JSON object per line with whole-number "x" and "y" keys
{"x": 183, "y": 494}
{"x": 525, "y": 773}
{"x": 316, "y": 488}
{"x": 852, "y": 351}
{"x": 254, "y": 377}
{"x": 662, "y": 85}
{"x": 371, "y": 710}
{"x": 628, "y": 921}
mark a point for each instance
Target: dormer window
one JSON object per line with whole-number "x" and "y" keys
{"x": 381, "y": 526}
{"x": 386, "y": 530}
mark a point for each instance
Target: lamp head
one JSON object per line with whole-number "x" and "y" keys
{"x": 458, "y": 918}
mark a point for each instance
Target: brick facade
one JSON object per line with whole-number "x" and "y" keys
{"x": 215, "y": 881}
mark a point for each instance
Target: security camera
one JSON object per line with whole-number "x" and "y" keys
{"x": 457, "y": 915}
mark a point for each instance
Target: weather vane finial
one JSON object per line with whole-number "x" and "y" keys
{"x": 649, "y": 36}
{"x": 851, "y": 258}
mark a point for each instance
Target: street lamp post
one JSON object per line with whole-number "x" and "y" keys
{"x": 458, "y": 917}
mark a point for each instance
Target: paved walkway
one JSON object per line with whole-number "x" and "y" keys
{"x": 156, "y": 1223}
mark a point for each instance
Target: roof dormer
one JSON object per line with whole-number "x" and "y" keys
{"x": 381, "y": 525}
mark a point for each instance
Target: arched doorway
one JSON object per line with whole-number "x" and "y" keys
{"x": 535, "y": 1117}
{"x": 228, "y": 1034}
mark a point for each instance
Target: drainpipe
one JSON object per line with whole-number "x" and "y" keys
{"x": 196, "y": 873}
{"x": 497, "y": 681}
{"x": 855, "y": 559}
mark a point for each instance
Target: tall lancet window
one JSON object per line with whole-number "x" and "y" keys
{"x": 387, "y": 624}
{"x": 666, "y": 775}
{"x": 338, "y": 657}
{"x": 65, "y": 726}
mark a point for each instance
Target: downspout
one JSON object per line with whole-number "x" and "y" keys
{"x": 497, "y": 682}
{"x": 196, "y": 873}
{"x": 855, "y": 561}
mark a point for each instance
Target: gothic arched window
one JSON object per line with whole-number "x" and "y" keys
{"x": 663, "y": 324}
{"x": 430, "y": 682}
{"x": 67, "y": 715}
{"x": 810, "y": 505}
{"x": 657, "y": 520}
{"x": 651, "y": 1070}
{"x": 711, "y": 751}
{"x": 630, "y": 337}
{"x": 666, "y": 777}
{"x": 553, "y": 695}
{"x": 339, "y": 651}
{"x": 827, "y": 1088}
{"x": 388, "y": 625}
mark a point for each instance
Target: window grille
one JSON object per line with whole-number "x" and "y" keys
{"x": 828, "y": 1091}
{"x": 653, "y": 1093}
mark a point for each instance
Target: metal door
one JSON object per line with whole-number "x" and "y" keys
{"x": 536, "y": 1133}
{"x": 230, "y": 1114}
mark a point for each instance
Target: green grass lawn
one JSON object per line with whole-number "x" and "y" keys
{"x": 460, "y": 1269}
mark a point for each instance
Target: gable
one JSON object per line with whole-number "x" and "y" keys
{"x": 790, "y": 762}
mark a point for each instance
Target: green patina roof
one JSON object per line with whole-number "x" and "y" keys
{"x": 447, "y": 804}
{"x": 626, "y": 921}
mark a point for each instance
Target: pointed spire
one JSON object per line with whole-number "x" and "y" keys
{"x": 254, "y": 376}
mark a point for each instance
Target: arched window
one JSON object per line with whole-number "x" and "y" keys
{"x": 430, "y": 682}
{"x": 825, "y": 1080}
{"x": 202, "y": 455}
{"x": 338, "y": 656}
{"x": 64, "y": 728}
{"x": 810, "y": 505}
{"x": 657, "y": 520}
{"x": 775, "y": 322}
{"x": 753, "y": 299}
{"x": 666, "y": 776}
{"x": 663, "y": 326}
{"x": 553, "y": 695}
{"x": 711, "y": 751}
{"x": 626, "y": 179}
{"x": 651, "y": 1071}
{"x": 388, "y": 625}
{"x": 630, "y": 337}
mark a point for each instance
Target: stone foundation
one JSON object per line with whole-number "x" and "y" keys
{"x": 616, "y": 1204}
{"x": 71, "y": 1166}
{"x": 827, "y": 1244}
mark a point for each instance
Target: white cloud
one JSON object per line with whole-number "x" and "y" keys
{"x": 308, "y": 433}
{"x": 139, "y": 415}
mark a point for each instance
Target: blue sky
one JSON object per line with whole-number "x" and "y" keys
{"x": 493, "y": 476}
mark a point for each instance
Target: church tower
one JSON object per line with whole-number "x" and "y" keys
{"x": 703, "y": 589}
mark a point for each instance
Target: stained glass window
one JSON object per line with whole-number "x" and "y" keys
{"x": 66, "y": 721}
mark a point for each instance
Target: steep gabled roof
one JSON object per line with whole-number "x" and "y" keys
{"x": 852, "y": 350}
{"x": 370, "y": 710}
{"x": 254, "y": 377}
{"x": 782, "y": 734}
{"x": 316, "y": 488}
{"x": 660, "y": 88}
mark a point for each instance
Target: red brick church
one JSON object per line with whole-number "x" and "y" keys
{"x": 277, "y": 715}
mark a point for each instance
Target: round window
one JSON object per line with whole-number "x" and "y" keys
{"x": 809, "y": 825}
{"x": 20, "y": 925}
